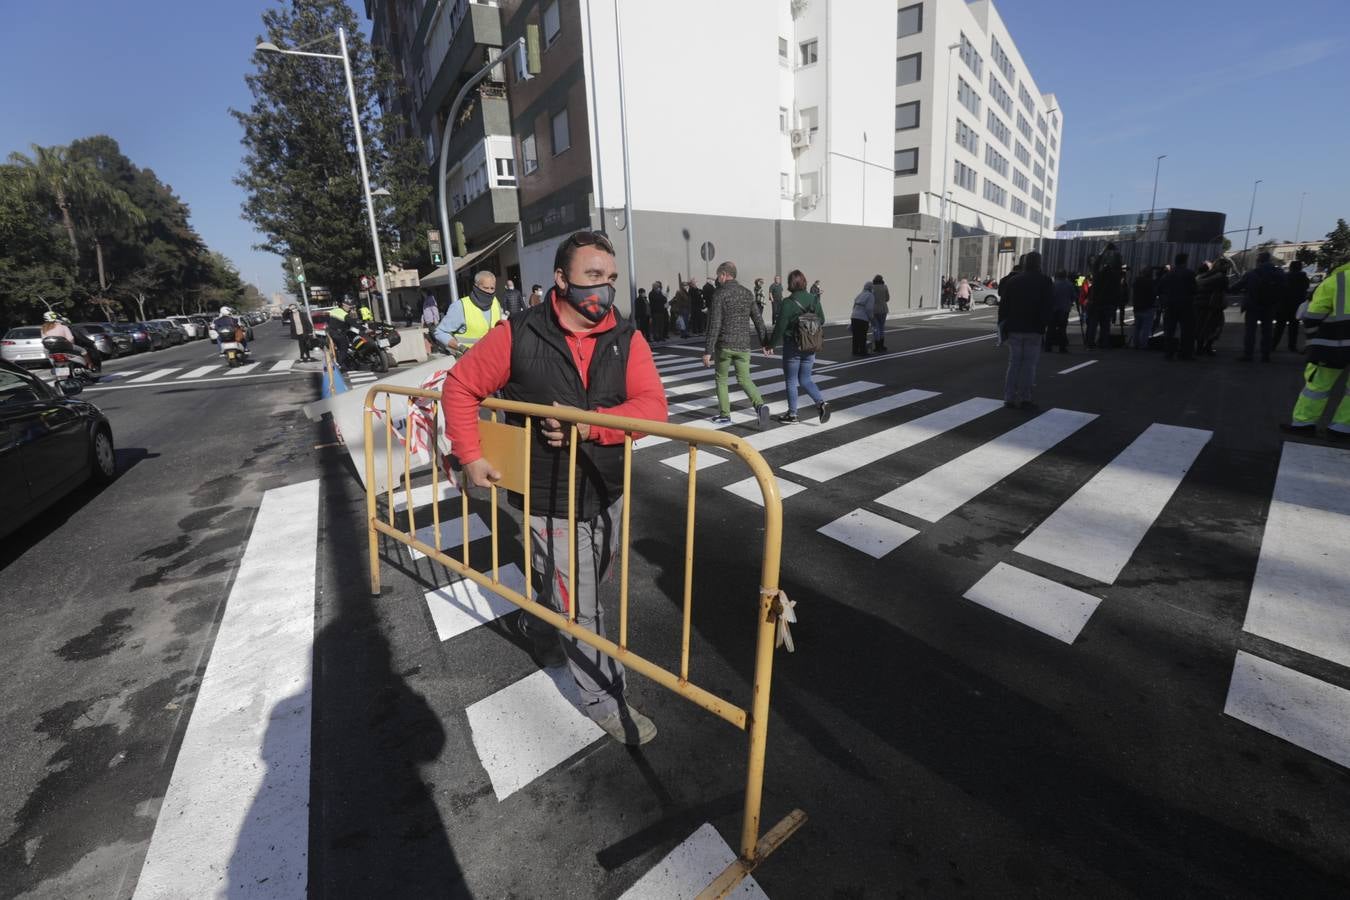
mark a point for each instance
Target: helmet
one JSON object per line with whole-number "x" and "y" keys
{"x": 50, "y": 316}
{"x": 226, "y": 311}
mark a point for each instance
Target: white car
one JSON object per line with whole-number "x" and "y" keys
{"x": 189, "y": 327}
{"x": 23, "y": 346}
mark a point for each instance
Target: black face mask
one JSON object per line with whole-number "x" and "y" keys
{"x": 591, "y": 300}
{"x": 481, "y": 298}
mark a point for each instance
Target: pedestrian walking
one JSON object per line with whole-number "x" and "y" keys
{"x": 948, "y": 292}
{"x": 1144, "y": 295}
{"x": 431, "y": 316}
{"x": 798, "y": 333}
{"x": 1326, "y": 326}
{"x": 1264, "y": 286}
{"x": 1108, "y": 292}
{"x": 1286, "y": 311}
{"x": 681, "y": 307}
{"x": 536, "y": 295}
{"x": 1063, "y": 294}
{"x": 1024, "y": 305}
{"x": 759, "y": 296}
{"x": 512, "y": 300}
{"x": 963, "y": 294}
{"x": 303, "y": 329}
{"x": 860, "y": 319}
{"x": 573, "y": 350}
{"x": 881, "y": 309}
{"x": 1176, "y": 290}
{"x": 728, "y": 342}
{"x": 660, "y": 312}
{"x": 642, "y": 314}
{"x": 776, "y": 298}
{"x": 1211, "y": 299}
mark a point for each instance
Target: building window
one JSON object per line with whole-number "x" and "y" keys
{"x": 910, "y": 20}
{"x": 971, "y": 57}
{"x": 1040, "y": 148}
{"x": 964, "y": 176}
{"x": 1036, "y": 193}
{"x": 907, "y": 115}
{"x": 552, "y": 23}
{"x": 1001, "y": 61}
{"x": 967, "y": 138}
{"x": 994, "y": 193}
{"x": 909, "y": 69}
{"x": 907, "y": 161}
{"x": 783, "y": 119}
{"x": 1040, "y": 123}
{"x": 809, "y": 119}
{"x": 1000, "y": 95}
{"x": 1039, "y": 171}
{"x": 1054, "y": 121}
{"x": 809, "y": 53}
{"x": 1025, "y": 96}
{"x": 785, "y": 185}
{"x": 1019, "y": 207}
{"x": 1049, "y": 186}
{"x": 529, "y": 155}
{"x": 998, "y": 129}
{"x": 967, "y": 95}
{"x": 506, "y": 173}
{"x": 562, "y": 136}
{"x": 1022, "y": 155}
{"x": 1020, "y": 181}
{"x": 810, "y": 183}
{"x": 783, "y": 49}
{"x": 1054, "y": 144}
{"x": 1024, "y": 127}
{"x": 995, "y": 160}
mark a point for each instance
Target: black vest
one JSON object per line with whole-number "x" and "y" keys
{"x": 542, "y": 371}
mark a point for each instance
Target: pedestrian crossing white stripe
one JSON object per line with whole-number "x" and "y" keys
{"x": 704, "y": 460}
{"x": 524, "y": 730}
{"x": 243, "y": 370}
{"x": 757, "y": 377}
{"x": 750, "y": 418}
{"x": 1301, "y": 593}
{"x": 236, "y": 811}
{"x": 787, "y": 434}
{"x": 943, "y": 490}
{"x": 866, "y": 531}
{"x": 1047, "y": 606}
{"x": 283, "y": 366}
{"x": 1090, "y": 362}
{"x": 158, "y": 373}
{"x": 691, "y": 867}
{"x": 843, "y": 390}
{"x": 199, "y": 372}
{"x": 452, "y": 534}
{"x": 116, "y": 375}
{"x": 849, "y": 457}
{"x": 463, "y": 605}
{"x": 1298, "y": 708}
{"x": 748, "y": 489}
{"x": 700, "y": 372}
{"x": 1096, "y": 531}
{"x": 421, "y": 495}
{"x": 682, "y": 365}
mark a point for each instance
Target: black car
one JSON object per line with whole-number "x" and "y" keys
{"x": 99, "y": 345}
{"x": 50, "y": 444}
{"x": 140, "y": 337}
{"x": 121, "y": 343}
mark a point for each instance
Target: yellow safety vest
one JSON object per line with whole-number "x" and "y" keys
{"x": 337, "y": 313}
{"x": 476, "y": 323}
{"x": 366, "y": 315}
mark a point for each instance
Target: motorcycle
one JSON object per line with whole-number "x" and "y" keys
{"x": 370, "y": 343}
{"x": 68, "y": 361}
{"x": 234, "y": 351}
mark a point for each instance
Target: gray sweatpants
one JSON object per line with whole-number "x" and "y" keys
{"x": 1024, "y": 351}
{"x": 599, "y": 677}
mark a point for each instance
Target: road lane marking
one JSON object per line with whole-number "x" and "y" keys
{"x": 845, "y": 458}
{"x": 198, "y": 373}
{"x": 1305, "y": 711}
{"x": 704, "y": 460}
{"x": 526, "y": 729}
{"x": 236, "y": 812}
{"x": 868, "y": 532}
{"x": 158, "y": 373}
{"x": 463, "y": 605}
{"x": 786, "y": 434}
{"x": 1047, "y": 606}
{"x": 452, "y": 534}
{"x": 691, "y": 867}
{"x": 943, "y": 490}
{"x": 1096, "y": 531}
{"x": 899, "y": 354}
{"x": 748, "y": 489}
{"x": 127, "y": 374}
{"x": 1299, "y": 595}
{"x": 194, "y": 382}
{"x": 676, "y": 365}
{"x": 422, "y": 495}
{"x": 1084, "y": 365}
{"x": 750, "y": 418}
{"x": 283, "y": 366}
{"x": 243, "y": 370}
{"x": 701, "y": 372}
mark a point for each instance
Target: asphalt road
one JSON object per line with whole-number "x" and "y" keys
{"x": 949, "y": 731}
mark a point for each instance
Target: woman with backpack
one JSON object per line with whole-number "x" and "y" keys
{"x": 799, "y": 332}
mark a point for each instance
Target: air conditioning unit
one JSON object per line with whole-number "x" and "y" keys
{"x": 801, "y": 138}
{"x": 809, "y": 201}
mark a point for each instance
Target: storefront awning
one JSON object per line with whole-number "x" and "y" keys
{"x": 438, "y": 276}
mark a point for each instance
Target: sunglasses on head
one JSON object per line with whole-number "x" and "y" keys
{"x": 591, "y": 238}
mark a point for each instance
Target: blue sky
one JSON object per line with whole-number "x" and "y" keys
{"x": 1230, "y": 91}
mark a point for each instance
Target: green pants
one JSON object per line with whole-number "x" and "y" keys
{"x": 741, "y": 360}
{"x": 1312, "y": 400}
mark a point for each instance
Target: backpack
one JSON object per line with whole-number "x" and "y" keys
{"x": 810, "y": 335}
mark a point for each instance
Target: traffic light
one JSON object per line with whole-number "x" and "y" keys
{"x": 461, "y": 245}
{"x": 298, "y": 269}
{"x": 1260, "y": 230}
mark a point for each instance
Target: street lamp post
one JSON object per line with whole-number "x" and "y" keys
{"x": 942, "y": 209}
{"x": 1045, "y": 196}
{"x": 270, "y": 47}
{"x": 1298, "y": 228}
{"x": 1157, "y": 167}
{"x": 1246, "y": 238}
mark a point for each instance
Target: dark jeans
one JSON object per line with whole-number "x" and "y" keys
{"x": 1179, "y": 317}
{"x": 1251, "y": 317}
{"x": 660, "y": 324}
{"x": 859, "y": 329}
{"x": 1100, "y": 316}
{"x": 1057, "y": 335}
{"x": 1280, "y": 324}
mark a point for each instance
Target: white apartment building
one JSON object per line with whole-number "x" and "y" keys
{"x": 1003, "y": 136}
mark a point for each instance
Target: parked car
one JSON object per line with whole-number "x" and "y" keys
{"x": 23, "y": 346}
{"x": 121, "y": 342}
{"x": 173, "y": 335}
{"x": 187, "y": 326}
{"x": 95, "y": 341}
{"x": 141, "y": 340}
{"x": 50, "y": 444}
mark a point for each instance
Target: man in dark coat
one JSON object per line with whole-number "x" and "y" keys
{"x": 1025, "y": 300}
{"x": 1177, "y": 290}
{"x": 1265, "y": 290}
{"x": 1296, "y": 285}
{"x": 1108, "y": 293}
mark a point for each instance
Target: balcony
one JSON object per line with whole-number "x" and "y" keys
{"x": 456, "y": 45}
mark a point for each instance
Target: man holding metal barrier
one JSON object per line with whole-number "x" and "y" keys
{"x": 574, "y": 350}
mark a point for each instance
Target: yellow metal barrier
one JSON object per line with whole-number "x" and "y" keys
{"x": 507, "y": 447}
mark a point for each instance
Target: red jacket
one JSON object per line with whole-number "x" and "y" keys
{"x": 486, "y": 369}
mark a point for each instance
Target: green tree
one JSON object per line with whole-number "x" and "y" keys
{"x": 1336, "y": 248}
{"x": 36, "y": 268}
{"x": 1306, "y": 255}
{"x": 301, "y": 173}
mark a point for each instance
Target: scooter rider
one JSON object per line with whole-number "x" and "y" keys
{"x": 54, "y": 326}
{"x": 344, "y": 314}
{"x": 225, "y": 325}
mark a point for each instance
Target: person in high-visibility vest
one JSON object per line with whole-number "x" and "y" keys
{"x": 1327, "y": 320}
{"x": 366, "y": 315}
{"x": 339, "y": 320}
{"x": 465, "y": 322}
